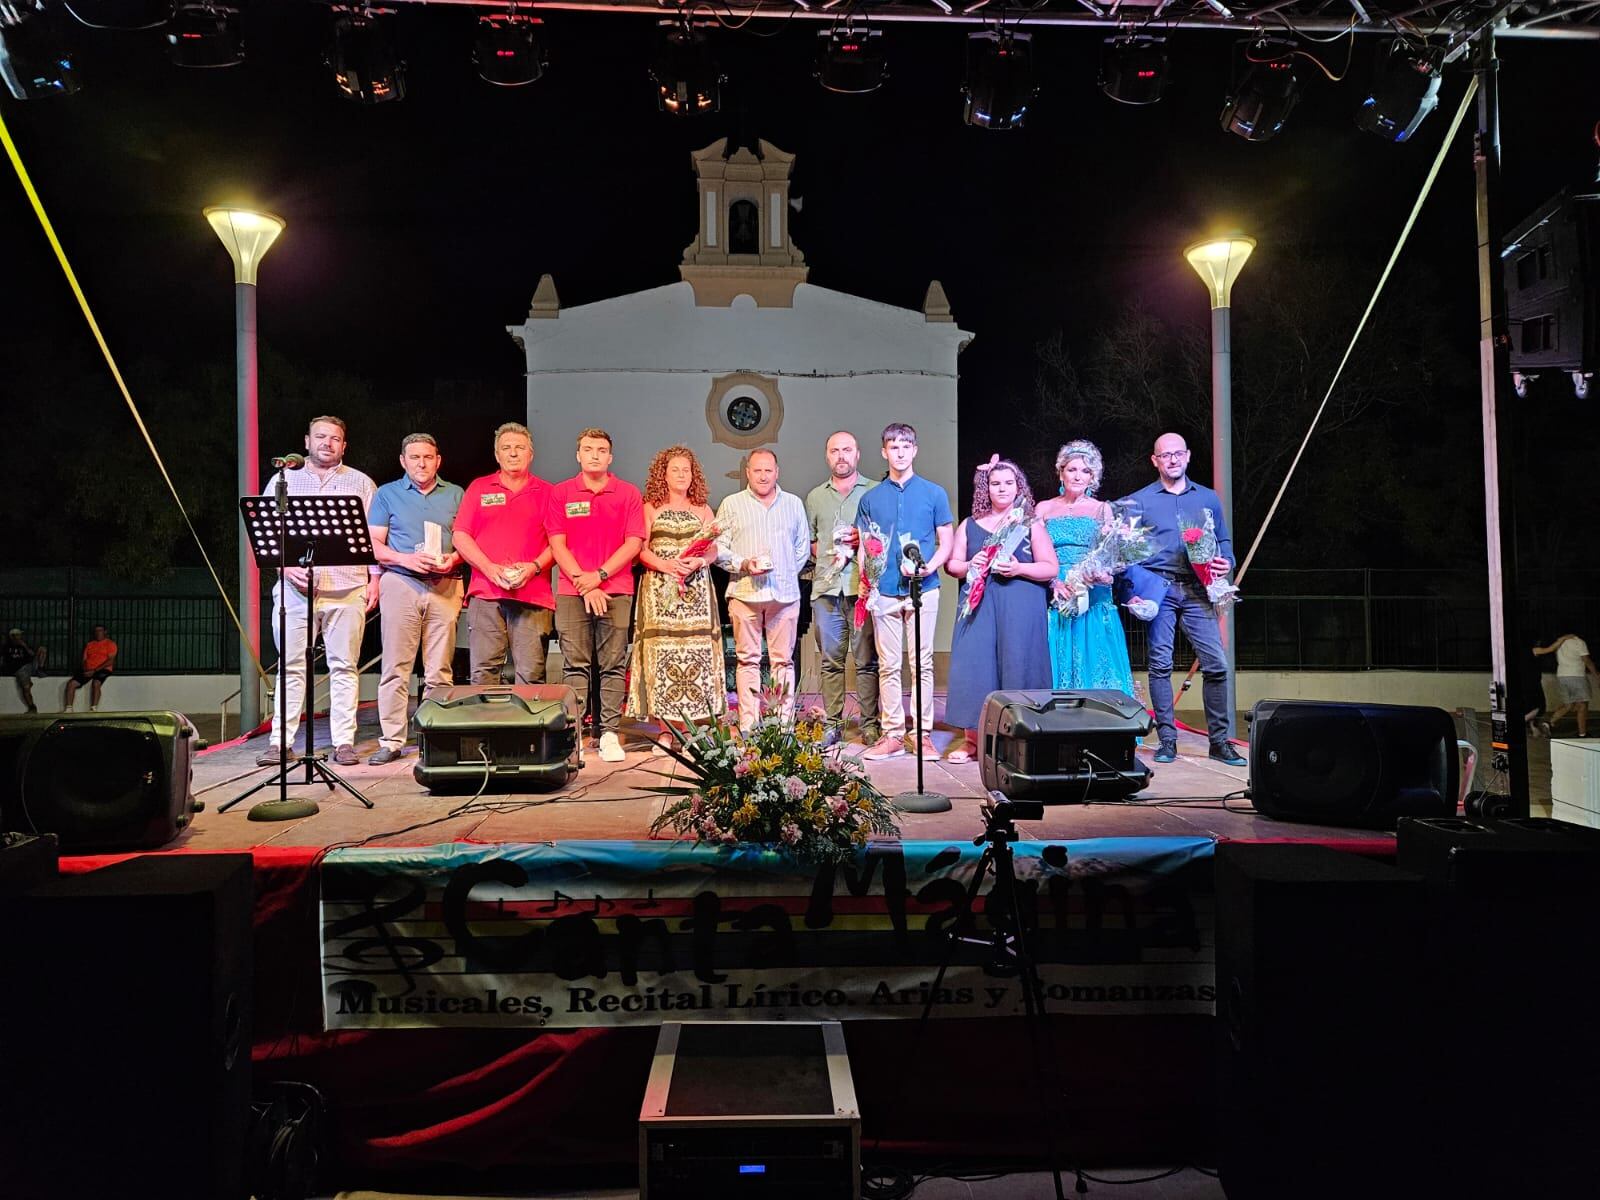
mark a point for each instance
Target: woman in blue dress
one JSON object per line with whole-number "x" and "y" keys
{"x": 1003, "y": 551}
{"x": 1087, "y": 649}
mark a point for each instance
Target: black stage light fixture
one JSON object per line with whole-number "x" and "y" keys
{"x": 999, "y": 84}
{"x": 366, "y": 66}
{"x": 685, "y": 73}
{"x": 121, "y": 14}
{"x": 851, "y": 61}
{"x": 205, "y": 35}
{"x": 1133, "y": 68}
{"x": 1405, "y": 89}
{"x": 1266, "y": 94}
{"x": 508, "y": 49}
{"x": 35, "y": 62}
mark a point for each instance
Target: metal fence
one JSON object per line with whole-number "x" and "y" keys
{"x": 1323, "y": 620}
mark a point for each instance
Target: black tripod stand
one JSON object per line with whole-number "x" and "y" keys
{"x": 919, "y": 801}
{"x": 315, "y": 531}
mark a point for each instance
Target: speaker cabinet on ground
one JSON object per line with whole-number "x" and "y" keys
{"x": 523, "y": 738}
{"x": 1319, "y": 1000}
{"x": 99, "y": 781}
{"x": 1357, "y": 765}
{"x": 1065, "y": 747}
{"x": 125, "y": 1018}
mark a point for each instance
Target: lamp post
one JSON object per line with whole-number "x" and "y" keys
{"x": 247, "y": 236}
{"x": 1218, "y": 263}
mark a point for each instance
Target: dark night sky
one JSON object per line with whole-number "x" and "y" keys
{"x": 417, "y": 231}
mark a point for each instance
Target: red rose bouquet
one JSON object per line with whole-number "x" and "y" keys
{"x": 704, "y": 539}
{"x": 874, "y": 557}
{"x": 1200, "y": 544}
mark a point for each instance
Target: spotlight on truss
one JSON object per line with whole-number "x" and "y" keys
{"x": 1405, "y": 89}
{"x": 1133, "y": 68}
{"x": 999, "y": 84}
{"x": 366, "y": 66}
{"x": 120, "y": 14}
{"x": 508, "y": 49}
{"x": 851, "y": 60}
{"x": 1267, "y": 92}
{"x": 35, "y": 62}
{"x": 205, "y": 35}
{"x": 687, "y": 79}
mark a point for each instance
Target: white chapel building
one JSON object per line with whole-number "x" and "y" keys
{"x": 743, "y": 353}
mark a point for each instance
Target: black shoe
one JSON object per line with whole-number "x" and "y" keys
{"x": 383, "y": 755}
{"x": 1227, "y": 755}
{"x": 1167, "y": 752}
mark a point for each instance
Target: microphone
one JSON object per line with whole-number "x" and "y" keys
{"x": 914, "y": 553}
{"x": 289, "y": 462}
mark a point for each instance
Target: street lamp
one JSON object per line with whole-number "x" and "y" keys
{"x": 1218, "y": 263}
{"x": 247, "y": 236}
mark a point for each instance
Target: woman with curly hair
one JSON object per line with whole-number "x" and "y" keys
{"x": 1087, "y": 649}
{"x": 1006, "y": 562}
{"x": 677, "y": 673}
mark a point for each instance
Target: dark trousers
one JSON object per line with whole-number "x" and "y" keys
{"x": 1185, "y": 603}
{"x": 599, "y": 644}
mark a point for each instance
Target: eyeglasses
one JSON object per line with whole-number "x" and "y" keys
{"x": 1173, "y": 455}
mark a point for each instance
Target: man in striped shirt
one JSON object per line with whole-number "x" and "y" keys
{"x": 765, "y": 541}
{"x": 345, "y": 595}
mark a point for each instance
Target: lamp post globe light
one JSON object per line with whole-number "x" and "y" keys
{"x": 247, "y": 236}
{"x": 1218, "y": 262}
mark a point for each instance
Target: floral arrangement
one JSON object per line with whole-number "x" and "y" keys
{"x": 874, "y": 560}
{"x": 1123, "y": 540}
{"x": 776, "y": 786}
{"x": 1200, "y": 544}
{"x": 705, "y": 538}
{"x": 1002, "y": 542}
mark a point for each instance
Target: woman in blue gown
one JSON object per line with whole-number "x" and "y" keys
{"x": 1001, "y": 644}
{"x": 1087, "y": 649}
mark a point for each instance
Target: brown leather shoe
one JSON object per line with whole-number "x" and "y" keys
{"x": 345, "y": 756}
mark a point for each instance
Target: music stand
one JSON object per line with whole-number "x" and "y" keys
{"x": 311, "y": 531}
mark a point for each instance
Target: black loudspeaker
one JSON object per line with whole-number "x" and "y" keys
{"x": 125, "y": 1018}
{"x": 1552, "y": 284}
{"x": 1319, "y": 1000}
{"x": 1358, "y": 765}
{"x": 523, "y": 737}
{"x": 98, "y": 781}
{"x": 1062, "y": 746}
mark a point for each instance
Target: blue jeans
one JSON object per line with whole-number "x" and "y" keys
{"x": 1186, "y": 602}
{"x": 839, "y": 639}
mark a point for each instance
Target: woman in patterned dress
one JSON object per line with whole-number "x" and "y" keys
{"x": 676, "y": 675}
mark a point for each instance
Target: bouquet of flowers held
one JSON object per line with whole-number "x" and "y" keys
{"x": 1001, "y": 544}
{"x": 1200, "y": 544}
{"x": 776, "y": 786}
{"x": 1124, "y": 539}
{"x": 874, "y": 560}
{"x": 705, "y": 539}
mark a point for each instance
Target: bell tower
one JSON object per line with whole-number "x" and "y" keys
{"x": 743, "y": 248}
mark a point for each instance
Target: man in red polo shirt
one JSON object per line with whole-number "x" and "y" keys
{"x": 596, "y": 526}
{"x": 499, "y": 530}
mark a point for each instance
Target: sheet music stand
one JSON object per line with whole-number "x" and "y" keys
{"x": 311, "y": 532}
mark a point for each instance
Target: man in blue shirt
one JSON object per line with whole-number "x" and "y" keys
{"x": 1169, "y": 505}
{"x": 904, "y": 508}
{"x": 419, "y": 595}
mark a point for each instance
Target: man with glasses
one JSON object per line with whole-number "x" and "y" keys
{"x": 1171, "y": 504}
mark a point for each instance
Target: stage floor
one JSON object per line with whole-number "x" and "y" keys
{"x": 1191, "y": 797}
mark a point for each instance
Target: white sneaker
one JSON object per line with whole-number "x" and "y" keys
{"x": 611, "y": 748}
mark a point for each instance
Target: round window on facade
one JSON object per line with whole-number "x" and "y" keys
{"x": 744, "y": 414}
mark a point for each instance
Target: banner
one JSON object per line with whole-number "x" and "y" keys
{"x": 583, "y": 933}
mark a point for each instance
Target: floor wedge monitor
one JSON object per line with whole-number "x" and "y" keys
{"x": 1065, "y": 747}
{"x": 504, "y": 738}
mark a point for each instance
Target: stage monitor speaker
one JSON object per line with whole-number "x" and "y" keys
{"x": 1066, "y": 747}
{"x": 125, "y": 1030}
{"x": 1552, "y": 285}
{"x": 1319, "y": 1000}
{"x": 98, "y": 781}
{"x": 1362, "y": 766}
{"x": 524, "y": 737}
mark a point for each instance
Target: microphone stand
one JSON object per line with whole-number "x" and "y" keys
{"x": 919, "y": 801}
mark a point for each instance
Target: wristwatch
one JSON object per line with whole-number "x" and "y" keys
{"x": 604, "y": 574}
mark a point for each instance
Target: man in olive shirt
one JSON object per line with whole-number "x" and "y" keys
{"x": 836, "y": 582}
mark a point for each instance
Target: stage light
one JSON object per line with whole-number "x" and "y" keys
{"x": 851, "y": 61}
{"x": 508, "y": 50}
{"x": 366, "y": 66}
{"x": 1405, "y": 89}
{"x": 205, "y": 35}
{"x": 1266, "y": 95}
{"x": 120, "y": 14}
{"x": 1133, "y": 68}
{"x": 685, "y": 73}
{"x": 34, "y": 60}
{"x": 999, "y": 84}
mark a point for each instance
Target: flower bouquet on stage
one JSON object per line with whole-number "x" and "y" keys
{"x": 703, "y": 543}
{"x": 874, "y": 560}
{"x": 1200, "y": 544}
{"x": 1000, "y": 546}
{"x": 1123, "y": 540}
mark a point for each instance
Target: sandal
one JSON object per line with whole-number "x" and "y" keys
{"x": 961, "y": 753}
